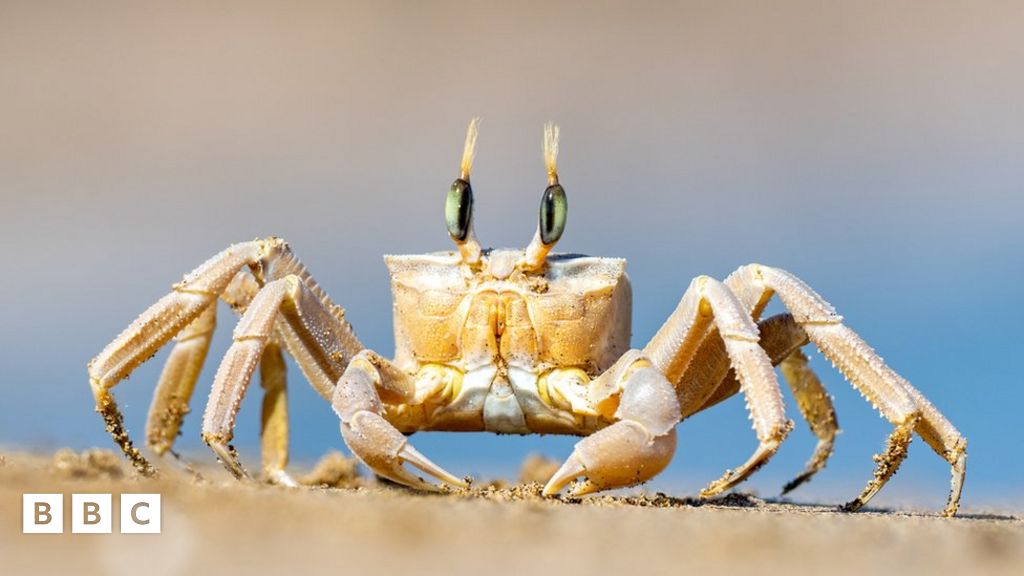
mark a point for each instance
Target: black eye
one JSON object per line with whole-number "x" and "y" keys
{"x": 458, "y": 209}
{"x": 553, "y": 209}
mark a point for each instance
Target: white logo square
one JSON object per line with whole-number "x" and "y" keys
{"x": 140, "y": 513}
{"x": 42, "y": 513}
{"x": 91, "y": 514}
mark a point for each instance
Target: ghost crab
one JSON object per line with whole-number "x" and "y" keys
{"x": 511, "y": 341}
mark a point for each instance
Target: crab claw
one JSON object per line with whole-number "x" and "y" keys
{"x": 624, "y": 454}
{"x": 373, "y": 439}
{"x": 384, "y": 450}
{"x": 634, "y": 449}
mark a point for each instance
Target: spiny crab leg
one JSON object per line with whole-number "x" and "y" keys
{"x": 816, "y": 406}
{"x": 900, "y": 403}
{"x": 641, "y": 442}
{"x": 274, "y": 417}
{"x": 708, "y": 302}
{"x": 235, "y": 275}
{"x": 781, "y": 338}
{"x": 322, "y": 342}
{"x": 357, "y": 401}
{"x": 150, "y": 331}
{"x": 177, "y": 381}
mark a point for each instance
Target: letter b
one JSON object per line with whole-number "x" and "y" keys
{"x": 91, "y": 513}
{"x": 42, "y": 513}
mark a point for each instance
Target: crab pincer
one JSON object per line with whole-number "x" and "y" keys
{"x": 384, "y": 450}
{"x": 373, "y": 439}
{"x": 640, "y": 443}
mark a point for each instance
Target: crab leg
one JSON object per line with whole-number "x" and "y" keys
{"x": 188, "y": 311}
{"x": 274, "y": 418}
{"x": 641, "y": 442}
{"x": 152, "y": 329}
{"x": 675, "y": 345}
{"x": 359, "y": 398}
{"x": 273, "y": 380}
{"x": 181, "y": 370}
{"x": 816, "y": 406}
{"x": 781, "y": 338}
{"x": 178, "y": 380}
{"x": 906, "y": 408}
{"x": 321, "y": 342}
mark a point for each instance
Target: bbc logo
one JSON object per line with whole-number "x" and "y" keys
{"x": 90, "y": 514}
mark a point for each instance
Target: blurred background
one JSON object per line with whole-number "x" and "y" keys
{"x": 872, "y": 148}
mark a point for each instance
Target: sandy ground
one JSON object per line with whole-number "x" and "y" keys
{"x": 228, "y": 527}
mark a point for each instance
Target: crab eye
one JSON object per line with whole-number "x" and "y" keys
{"x": 553, "y": 209}
{"x": 458, "y": 209}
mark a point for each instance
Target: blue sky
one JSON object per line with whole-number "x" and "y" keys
{"x": 874, "y": 150}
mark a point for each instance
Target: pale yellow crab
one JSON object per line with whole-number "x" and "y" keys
{"x": 511, "y": 341}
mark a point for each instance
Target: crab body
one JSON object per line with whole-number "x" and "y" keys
{"x": 515, "y": 342}
{"x": 485, "y": 342}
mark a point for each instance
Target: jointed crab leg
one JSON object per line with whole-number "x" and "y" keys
{"x": 781, "y": 338}
{"x": 673, "y": 347}
{"x": 181, "y": 370}
{"x": 893, "y": 396}
{"x": 700, "y": 363}
{"x": 154, "y": 327}
{"x": 274, "y": 417}
{"x": 225, "y": 275}
{"x": 273, "y": 380}
{"x": 177, "y": 381}
{"x": 816, "y": 406}
{"x": 323, "y": 345}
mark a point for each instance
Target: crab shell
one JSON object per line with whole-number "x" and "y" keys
{"x": 492, "y": 333}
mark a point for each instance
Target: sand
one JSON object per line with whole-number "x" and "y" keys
{"x": 217, "y": 525}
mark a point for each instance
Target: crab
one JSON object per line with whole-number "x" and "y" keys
{"x": 512, "y": 342}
